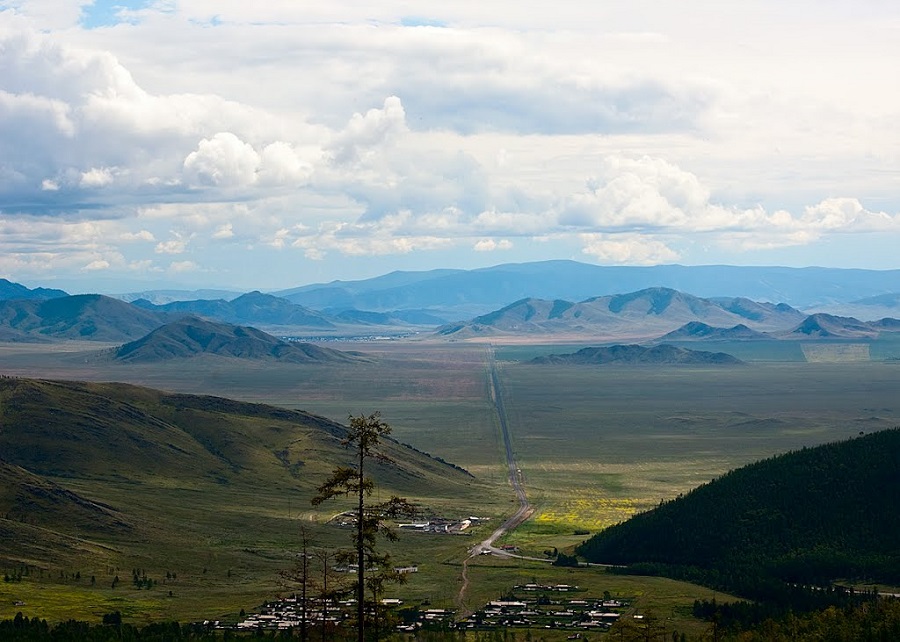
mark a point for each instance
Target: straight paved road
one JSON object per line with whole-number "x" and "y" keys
{"x": 515, "y": 479}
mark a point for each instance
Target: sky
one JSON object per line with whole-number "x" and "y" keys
{"x": 152, "y": 144}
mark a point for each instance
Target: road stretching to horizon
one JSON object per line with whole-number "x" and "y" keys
{"x": 516, "y": 479}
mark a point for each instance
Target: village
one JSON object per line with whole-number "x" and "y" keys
{"x": 533, "y": 606}
{"x": 435, "y": 524}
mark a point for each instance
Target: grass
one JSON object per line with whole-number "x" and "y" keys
{"x": 597, "y": 444}
{"x": 669, "y": 600}
{"x": 594, "y": 445}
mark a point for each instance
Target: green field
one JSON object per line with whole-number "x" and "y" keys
{"x": 597, "y": 444}
{"x": 594, "y": 444}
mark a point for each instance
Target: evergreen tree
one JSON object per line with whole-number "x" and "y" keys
{"x": 363, "y": 437}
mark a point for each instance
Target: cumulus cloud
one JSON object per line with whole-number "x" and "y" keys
{"x": 222, "y": 161}
{"x": 224, "y": 232}
{"x": 381, "y": 238}
{"x": 183, "y": 266}
{"x": 141, "y": 235}
{"x": 367, "y": 132}
{"x": 627, "y": 249}
{"x": 281, "y": 164}
{"x": 334, "y": 133}
{"x": 847, "y": 214}
{"x": 490, "y": 245}
{"x": 96, "y": 177}
{"x": 96, "y": 265}
{"x": 641, "y": 192}
{"x": 177, "y": 245}
{"x": 73, "y": 121}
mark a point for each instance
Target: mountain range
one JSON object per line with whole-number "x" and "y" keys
{"x": 640, "y": 315}
{"x": 10, "y": 290}
{"x": 253, "y": 307}
{"x": 91, "y": 317}
{"x": 563, "y": 299}
{"x": 634, "y": 354}
{"x": 814, "y": 326}
{"x": 192, "y": 337}
{"x": 462, "y": 294}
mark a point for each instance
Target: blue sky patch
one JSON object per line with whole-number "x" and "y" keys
{"x": 107, "y": 13}
{"x": 419, "y": 21}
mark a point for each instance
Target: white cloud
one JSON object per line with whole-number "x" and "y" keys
{"x": 177, "y": 245}
{"x": 490, "y": 245}
{"x": 224, "y": 232}
{"x": 99, "y": 264}
{"x": 355, "y": 131}
{"x": 280, "y": 164}
{"x": 183, "y": 266}
{"x": 96, "y": 177}
{"x": 222, "y": 161}
{"x": 370, "y": 239}
{"x": 848, "y": 214}
{"x": 367, "y": 132}
{"x": 141, "y": 235}
{"x": 627, "y": 249}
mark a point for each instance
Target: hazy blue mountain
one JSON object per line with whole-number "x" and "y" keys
{"x": 92, "y": 317}
{"x": 10, "y": 290}
{"x": 251, "y": 308}
{"x": 635, "y": 354}
{"x": 643, "y": 314}
{"x": 699, "y": 331}
{"x": 829, "y": 326}
{"x": 461, "y": 294}
{"x": 192, "y": 336}
{"x": 866, "y": 309}
{"x": 161, "y": 297}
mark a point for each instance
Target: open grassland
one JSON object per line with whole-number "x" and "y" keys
{"x": 216, "y": 550}
{"x": 595, "y": 444}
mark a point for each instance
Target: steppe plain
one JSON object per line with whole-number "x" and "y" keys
{"x": 594, "y": 444}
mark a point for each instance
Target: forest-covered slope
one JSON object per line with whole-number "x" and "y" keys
{"x": 807, "y": 517}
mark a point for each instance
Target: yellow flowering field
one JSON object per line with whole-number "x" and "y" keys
{"x": 588, "y": 511}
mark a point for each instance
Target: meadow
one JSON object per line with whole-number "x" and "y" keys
{"x": 594, "y": 446}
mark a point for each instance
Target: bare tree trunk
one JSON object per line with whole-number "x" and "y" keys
{"x": 361, "y": 554}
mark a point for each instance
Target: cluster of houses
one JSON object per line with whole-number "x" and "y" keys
{"x": 544, "y": 607}
{"x": 441, "y": 525}
{"x": 529, "y": 606}
{"x": 287, "y": 613}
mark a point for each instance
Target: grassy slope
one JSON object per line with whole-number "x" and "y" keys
{"x": 594, "y": 446}
{"x": 211, "y": 489}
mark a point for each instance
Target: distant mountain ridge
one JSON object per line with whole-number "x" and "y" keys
{"x": 257, "y": 308}
{"x": 253, "y": 307}
{"x": 818, "y": 326}
{"x": 91, "y": 317}
{"x": 635, "y": 354}
{"x": 699, "y": 331}
{"x": 10, "y": 290}
{"x": 192, "y": 337}
{"x": 829, "y": 326}
{"x": 642, "y": 314}
{"x": 463, "y": 294}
